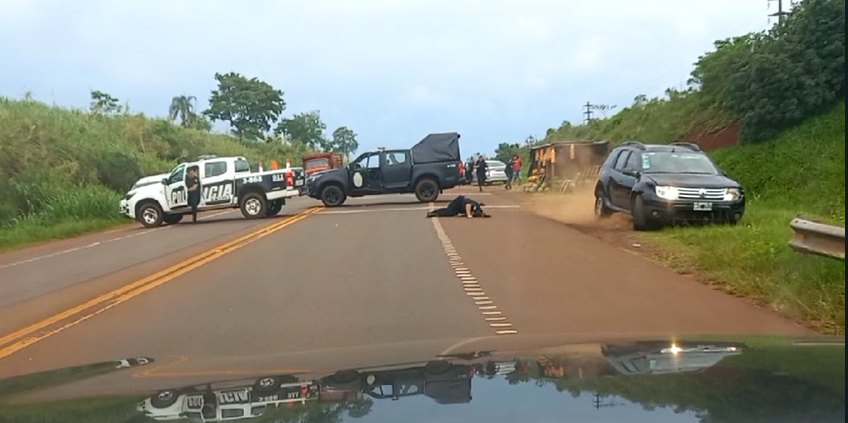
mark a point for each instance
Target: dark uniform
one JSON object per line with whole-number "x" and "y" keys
{"x": 193, "y": 195}
{"x": 482, "y": 167}
{"x": 457, "y": 207}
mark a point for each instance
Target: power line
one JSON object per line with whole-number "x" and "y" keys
{"x": 588, "y": 112}
{"x": 780, "y": 12}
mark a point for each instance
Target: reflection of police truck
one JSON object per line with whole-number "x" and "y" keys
{"x": 241, "y": 402}
{"x": 225, "y": 182}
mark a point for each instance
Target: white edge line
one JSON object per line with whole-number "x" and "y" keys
{"x": 98, "y": 243}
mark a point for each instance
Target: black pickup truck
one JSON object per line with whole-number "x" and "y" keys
{"x": 426, "y": 169}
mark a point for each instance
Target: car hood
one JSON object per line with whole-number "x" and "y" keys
{"x": 503, "y": 379}
{"x": 149, "y": 180}
{"x": 691, "y": 181}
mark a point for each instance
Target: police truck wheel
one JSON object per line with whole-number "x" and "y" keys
{"x": 426, "y": 190}
{"x": 253, "y": 205}
{"x": 150, "y": 215}
{"x": 267, "y": 384}
{"x": 172, "y": 219}
{"x": 164, "y": 399}
{"x": 274, "y": 208}
{"x": 332, "y": 196}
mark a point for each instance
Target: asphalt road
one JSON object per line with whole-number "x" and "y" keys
{"x": 374, "y": 273}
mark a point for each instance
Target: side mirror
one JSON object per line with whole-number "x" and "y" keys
{"x": 630, "y": 172}
{"x": 164, "y": 181}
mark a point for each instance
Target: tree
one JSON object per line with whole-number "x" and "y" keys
{"x": 200, "y": 123}
{"x": 506, "y": 151}
{"x": 344, "y": 141}
{"x": 103, "y": 103}
{"x": 182, "y": 107}
{"x": 713, "y": 70}
{"x": 250, "y": 106}
{"x": 306, "y": 128}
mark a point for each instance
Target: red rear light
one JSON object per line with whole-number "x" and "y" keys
{"x": 289, "y": 178}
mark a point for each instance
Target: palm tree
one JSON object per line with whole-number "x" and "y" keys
{"x": 183, "y": 107}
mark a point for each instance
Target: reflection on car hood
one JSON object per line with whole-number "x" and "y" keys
{"x": 687, "y": 180}
{"x": 703, "y": 379}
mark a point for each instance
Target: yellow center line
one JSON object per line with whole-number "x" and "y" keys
{"x": 26, "y": 336}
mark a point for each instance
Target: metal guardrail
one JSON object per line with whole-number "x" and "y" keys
{"x": 818, "y": 238}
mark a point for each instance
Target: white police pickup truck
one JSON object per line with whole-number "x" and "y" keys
{"x": 225, "y": 183}
{"x": 205, "y": 404}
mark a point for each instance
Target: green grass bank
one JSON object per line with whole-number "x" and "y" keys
{"x": 63, "y": 171}
{"x": 801, "y": 171}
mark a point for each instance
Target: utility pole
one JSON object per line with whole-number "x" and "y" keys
{"x": 597, "y": 401}
{"x": 780, "y": 12}
{"x": 588, "y": 112}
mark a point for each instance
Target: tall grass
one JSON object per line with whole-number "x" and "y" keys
{"x": 801, "y": 171}
{"x": 63, "y": 171}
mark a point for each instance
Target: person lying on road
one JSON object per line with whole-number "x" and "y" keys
{"x": 460, "y": 206}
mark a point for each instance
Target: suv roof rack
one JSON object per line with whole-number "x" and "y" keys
{"x": 689, "y": 145}
{"x": 636, "y": 144}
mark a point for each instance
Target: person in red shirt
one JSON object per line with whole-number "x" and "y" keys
{"x": 516, "y": 168}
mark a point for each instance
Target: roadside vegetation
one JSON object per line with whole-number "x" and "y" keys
{"x": 63, "y": 171}
{"x": 802, "y": 171}
{"x": 784, "y": 87}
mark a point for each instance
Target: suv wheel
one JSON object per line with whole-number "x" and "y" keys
{"x": 426, "y": 190}
{"x": 641, "y": 221}
{"x": 601, "y": 209}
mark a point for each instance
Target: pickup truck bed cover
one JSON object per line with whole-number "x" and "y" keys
{"x": 436, "y": 148}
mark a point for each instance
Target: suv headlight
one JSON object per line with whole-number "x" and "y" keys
{"x": 667, "y": 193}
{"x": 732, "y": 194}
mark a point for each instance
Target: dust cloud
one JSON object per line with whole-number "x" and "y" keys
{"x": 575, "y": 209}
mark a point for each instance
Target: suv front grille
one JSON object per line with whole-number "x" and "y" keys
{"x": 715, "y": 194}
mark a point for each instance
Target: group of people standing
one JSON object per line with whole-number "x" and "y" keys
{"x": 480, "y": 168}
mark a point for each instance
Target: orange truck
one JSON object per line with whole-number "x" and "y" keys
{"x": 322, "y": 161}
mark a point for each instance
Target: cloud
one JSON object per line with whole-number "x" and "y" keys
{"x": 419, "y": 96}
{"x": 492, "y": 70}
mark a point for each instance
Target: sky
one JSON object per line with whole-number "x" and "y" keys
{"x": 393, "y": 71}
